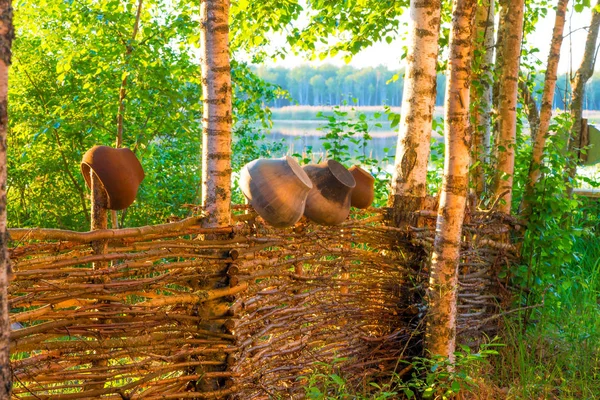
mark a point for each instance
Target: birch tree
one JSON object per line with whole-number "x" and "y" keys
{"x": 216, "y": 117}
{"x": 507, "y": 103}
{"x": 443, "y": 284}
{"x": 540, "y": 134}
{"x": 499, "y": 64}
{"x": 6, "y": 36}
{"x": 412, "y": 154}
{"x": 481, "y": 91}
{"x": 583, "y": 74}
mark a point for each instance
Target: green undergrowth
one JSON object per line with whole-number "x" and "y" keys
{"x": 548, "y": 352}
{"x": 421, "y": 378}
{"x": 553, "y": 352}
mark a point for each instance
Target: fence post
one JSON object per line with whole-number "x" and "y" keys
{"x": 99, "y": 220}
{"x": 99, "y": 215}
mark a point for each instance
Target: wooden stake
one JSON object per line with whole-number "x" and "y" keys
{"x": 99, "y": 221}
{"x": 99, "y": 216}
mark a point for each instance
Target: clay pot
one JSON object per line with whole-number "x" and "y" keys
{"x": 276, "y": 189}
{"x": 364, "y": 192}
{"x": 119, "y": 171}
{"x": 328, "y": 202}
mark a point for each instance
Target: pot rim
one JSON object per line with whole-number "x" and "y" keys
{"x": 361, "y": 171}
{"x": 341, "y": 173}
{"x": 298, "y": 171}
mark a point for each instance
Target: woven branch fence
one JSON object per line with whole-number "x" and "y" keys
{"x": 175, "y": 311}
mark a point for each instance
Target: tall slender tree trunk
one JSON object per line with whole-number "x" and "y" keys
{"x": 440, "y": 338}
{"x": 583, "y": 74}
{"x": 540, "y": 135}
{"x": 216, "y": 117}
{"x": 503, "y": 11}
{"x": 6, "y": 37}
{"x": 481, "y": 93}
{"x": 216, "y": 148}
{"x": 123, "y": 89}
{"x": 507, "y": 98}
{"x": 122, "y": 94}
{"x": 412, "y": 155}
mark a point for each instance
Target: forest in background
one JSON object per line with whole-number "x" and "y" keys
{"x": 373, "y": 86}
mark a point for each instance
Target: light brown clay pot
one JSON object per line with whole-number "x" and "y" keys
{"x": 276, "y": 189}
{"x": 119, "y": 170}
{"x": 364, "y": 192}
{"x": 328, "y": 202}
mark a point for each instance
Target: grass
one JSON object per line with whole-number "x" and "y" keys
{"x": 557, "y": 354}
{"x": 554, "y": 353}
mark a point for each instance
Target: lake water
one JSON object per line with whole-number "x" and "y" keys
{"x": 300, "y": 135}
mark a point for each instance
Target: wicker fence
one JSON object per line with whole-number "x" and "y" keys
{"x": 176, "y": 311}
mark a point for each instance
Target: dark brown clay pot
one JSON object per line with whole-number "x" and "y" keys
{"x": 276, "y": 189}
{"x": 328, "y": 202}
{"x": 119, "y": 170}
{"x": 364, "y": 192}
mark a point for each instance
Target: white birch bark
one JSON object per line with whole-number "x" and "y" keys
{"x": 507, "y": 97}
{"x": 412, "y": 154}
{"x": 583, "y": 74}
{"x": 481, "y": 92}
{"x": 216, "y": 118}
{"x": 440, "y": 338}
{"x": 539, "y": 137}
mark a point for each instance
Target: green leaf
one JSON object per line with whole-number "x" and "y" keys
{"x": 337, "y": 379}
{"x": 455, "y": 386}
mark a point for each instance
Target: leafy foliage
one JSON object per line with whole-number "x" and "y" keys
{"x": 429, "y": 378}
{"x": 69, "y": 64}
{"x": 70, "y": 59}
{"x": 347, "y": 140}
{"x": 333, "y": 27}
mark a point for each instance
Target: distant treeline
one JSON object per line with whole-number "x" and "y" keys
{"x": 372, "y": 86}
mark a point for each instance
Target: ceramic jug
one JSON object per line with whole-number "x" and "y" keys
{"x": 276, "y": 189}
{"x": 364, "y": 192}
{"x": 328, "y": 202}
{"x": 119, "y": 170}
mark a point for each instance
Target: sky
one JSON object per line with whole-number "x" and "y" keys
{"x": 389, "y": 54}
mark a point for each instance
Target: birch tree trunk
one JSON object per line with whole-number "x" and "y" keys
{"x": 443, "y": 282}
{"x": 6, "y": 37}
{"x": 216, "y": 151}
{"x": 481, "y": 93}
{"x": 412, "y": 155}
{"x": 507, "y": 104}
{"x": 499, "y": 58}
{"x": 583, "y": 74}
{"x": 216, "y": 118}
{"x": 540, "y": 135}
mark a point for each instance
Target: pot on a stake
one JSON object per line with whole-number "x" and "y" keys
{"x": 328, "y": 202}
{"x": 119, "y": 170}
{"x": 276, "y": 189}
{"x": 364, "y": 192}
